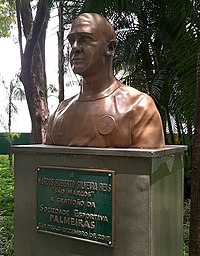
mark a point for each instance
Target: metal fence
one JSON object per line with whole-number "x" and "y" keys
{"x": 22, "y": 139}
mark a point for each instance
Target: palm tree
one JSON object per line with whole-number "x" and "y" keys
{"x": 156, "y": 53}
{"x": 14, "y": 92}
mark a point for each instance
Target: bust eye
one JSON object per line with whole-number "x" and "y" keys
{"x": 80, "y": 39}
{"x": 71, "y": 40}
{"x": 85, "y": 39}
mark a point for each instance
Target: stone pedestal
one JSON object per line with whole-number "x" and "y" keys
{"x": 147, "y": 209}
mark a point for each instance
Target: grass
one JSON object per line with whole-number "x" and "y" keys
{"x": 7, "y": 208}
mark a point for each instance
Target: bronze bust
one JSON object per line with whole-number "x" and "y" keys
{"x": 106, "y": 113}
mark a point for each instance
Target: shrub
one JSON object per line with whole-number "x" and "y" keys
{"x": 6, "y": 235}
{"x": 6, "y": 208}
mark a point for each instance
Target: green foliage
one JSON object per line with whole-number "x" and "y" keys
{"x": 6, "y": 187}
{"x": 14, "y": 92}
{"x": 10, "y": 136}
{"x": 7, "y": 17}
{"x": 6, "y": 208}
{"x": 6, "y": 235}
{"x": 157, "y": 44}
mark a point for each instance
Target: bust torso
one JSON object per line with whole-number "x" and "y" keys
{"x": 113, "y": 118}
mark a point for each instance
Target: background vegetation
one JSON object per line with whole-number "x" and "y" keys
{"x": 6, "y": 207}
{"x": 157, "y": 52}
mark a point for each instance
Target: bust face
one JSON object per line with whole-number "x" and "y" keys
{"x": 88, "y": 46}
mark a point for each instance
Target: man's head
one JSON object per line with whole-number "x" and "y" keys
{"x": 92, "y": 39}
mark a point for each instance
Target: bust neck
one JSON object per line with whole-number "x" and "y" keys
{"x": 97, "y": 83}
{"x": 102, "y": 94}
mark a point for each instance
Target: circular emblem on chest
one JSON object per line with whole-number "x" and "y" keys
{"x": 105, "y": 124}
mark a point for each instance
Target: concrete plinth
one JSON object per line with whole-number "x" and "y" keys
{"x": 148, "y": 200}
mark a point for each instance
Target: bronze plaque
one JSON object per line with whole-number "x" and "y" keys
{"x": 76, "y": 203}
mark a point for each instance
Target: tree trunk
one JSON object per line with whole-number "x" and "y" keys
{"x": 60, "y": 52}
{"x": 9, "y": 129}
{"x": 33, "y": 75}
{"x": 194, "y": 246}
{"x": 19, "y": 29}
{"x": 179, "y": 139}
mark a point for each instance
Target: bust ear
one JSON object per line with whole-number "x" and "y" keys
{"x": 111, "y": 47}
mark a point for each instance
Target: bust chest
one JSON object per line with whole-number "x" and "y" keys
{"x": 103, "y": 123}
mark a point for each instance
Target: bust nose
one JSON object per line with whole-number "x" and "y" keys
{"x": 76, "y": 46}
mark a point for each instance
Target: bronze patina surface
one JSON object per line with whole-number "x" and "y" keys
{"x": 106, "y": 113}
